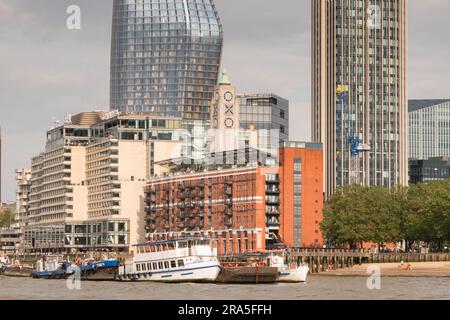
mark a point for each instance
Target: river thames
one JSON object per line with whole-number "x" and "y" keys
{"x": 317, "y": 288}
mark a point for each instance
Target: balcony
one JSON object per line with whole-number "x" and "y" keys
{"x": 272, "y": 200}
{"x": 272, "y": 222}
{"x": 228, "y": 213}
{"x": 273, "y": 213}
{"x": 272, "y": 180}
{"x": 275, "y": 191}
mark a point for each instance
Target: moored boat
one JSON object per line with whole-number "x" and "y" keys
{"x": 99, "y": 271}
{"x": 288, "y": 272}
{"x": 179, "y": 260}
{"x": 52, "y": 267}
{"x": 246, "y": 269}
{"x": 15, "y": 271}
{"x": 248, "y": 275}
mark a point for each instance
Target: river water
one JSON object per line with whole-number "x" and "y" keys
{"x": 317, "y": 288}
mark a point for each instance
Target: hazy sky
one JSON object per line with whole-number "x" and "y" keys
{"x": 47, "y": 71}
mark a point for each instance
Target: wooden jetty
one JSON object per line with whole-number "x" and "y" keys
{"x": 321, "y": 260}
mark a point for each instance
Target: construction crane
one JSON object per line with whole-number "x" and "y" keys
{"x": 356, "y": 145}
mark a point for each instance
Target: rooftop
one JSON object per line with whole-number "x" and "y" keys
{"x": 414, "y": 105}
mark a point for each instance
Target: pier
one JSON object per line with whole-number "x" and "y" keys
{"x": 322, "y": 260}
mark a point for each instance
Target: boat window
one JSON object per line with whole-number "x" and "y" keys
{"x": 166, "y": 264}
{"x": 149, "y": 266}
{"x": 155, "y": 266}
{"x": 173, "y": 264}
{"x": 182, "y": 245}
{"x": 160, "y": 265}
{"x": 180, "y": 263}
{"x": 144, "y": 267}
{"x": 138, "y": 267}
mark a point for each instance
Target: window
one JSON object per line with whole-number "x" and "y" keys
{"x": 144, "y": 267}
{"x": 149, "y": 266}
{"x": 160, "y": 265}
{"x": 180, "y": 263}
{"x": 173, "y": 264}
{"x": 166, "y": 264}
{"x": 155, "y": 266}
{"x": 138, "y": 267}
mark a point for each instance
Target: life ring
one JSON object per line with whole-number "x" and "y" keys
{"x": 274, "y": 260}
{"x": 261, "y": 264}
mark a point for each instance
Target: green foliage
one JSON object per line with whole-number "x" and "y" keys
{"x": 356, "y": 214}
{"x": 6, "y": 218}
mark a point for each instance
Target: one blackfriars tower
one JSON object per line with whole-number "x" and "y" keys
{"x": 165, "y": 56}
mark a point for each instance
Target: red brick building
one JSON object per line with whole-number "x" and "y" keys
{"x": 241, "y": 204}
{"x": 302, "y": 197}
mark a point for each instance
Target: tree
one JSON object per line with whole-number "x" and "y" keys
{"x": 7, "y": 218}
{"x": 346, "y": 217}
{"x": 383, "y": 215}
{"x": 356, "y": 214}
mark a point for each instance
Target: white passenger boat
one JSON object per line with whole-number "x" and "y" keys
{"x": 180, "y": 260}
{"x": 288, "y": 272}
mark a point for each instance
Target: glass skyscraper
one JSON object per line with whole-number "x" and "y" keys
{"x": 359, "y": 90}
{"x": 165, "y": 56}
{"x": 429, "y": 129}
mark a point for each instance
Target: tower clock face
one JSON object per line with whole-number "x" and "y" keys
{"x": 228, "y": 96}
{"x": 229, "y": 123}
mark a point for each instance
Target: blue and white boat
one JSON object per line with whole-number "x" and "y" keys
{"x": 52, "y": 268}
{"x": 180, "y": 260}
{"x": 100, "y": 271}
{"x": 55, "y": 268}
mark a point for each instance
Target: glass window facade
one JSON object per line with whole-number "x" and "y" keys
{"x": 265, "y": 112}
{"x": 298, "y": 202}
{"x": 361, "y": 68}
{"x": 165, "y": 56}
{"x": 429, "y": 129}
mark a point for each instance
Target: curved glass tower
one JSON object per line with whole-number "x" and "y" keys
{"x": 165, "y": 56}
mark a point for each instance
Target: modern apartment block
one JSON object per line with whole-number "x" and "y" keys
{"x": 359, "y": 90}
{"x": 165, "y": 56}
{"x": 87, "y": 187}
{"x": 265, "y": 112}
{"x": 285, "y": 203}
{"x": 23, "y": 179}
{"x": 432, "y": 169}
{"x": 429, "y": 128}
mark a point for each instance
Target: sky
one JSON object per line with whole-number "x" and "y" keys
{"x": 48, "y": 71}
